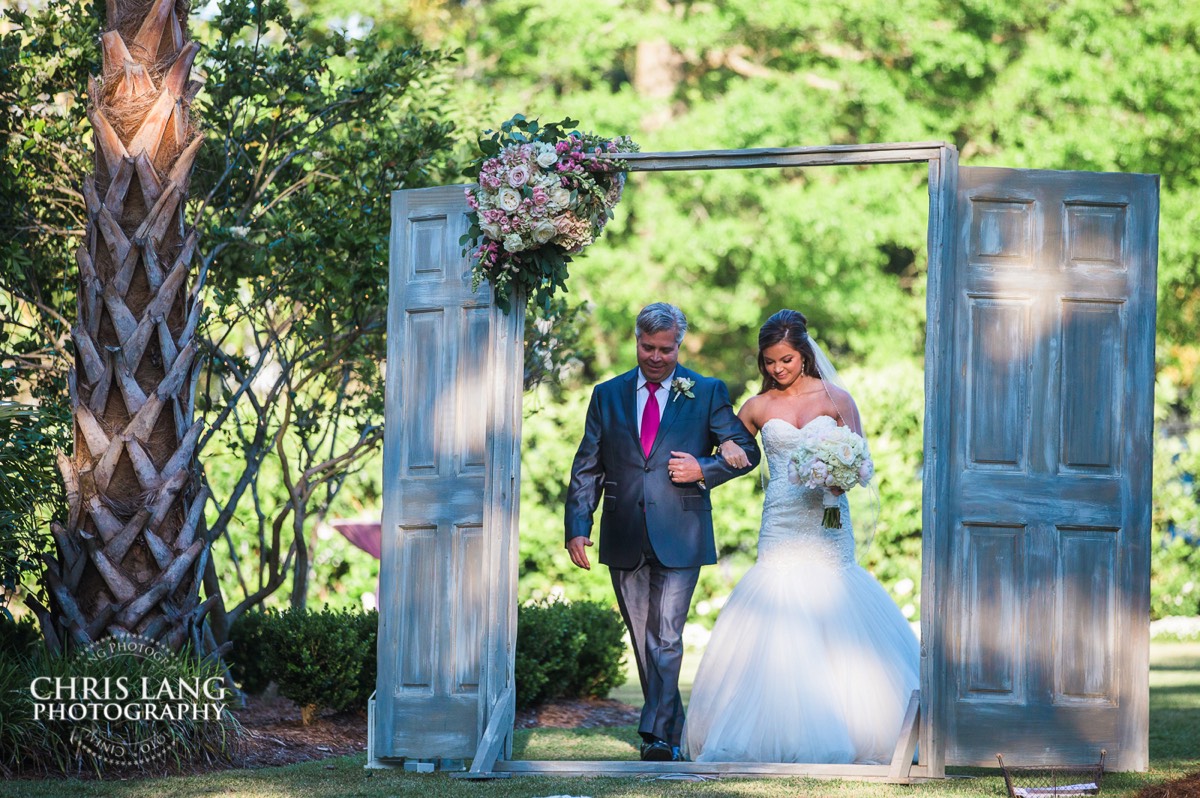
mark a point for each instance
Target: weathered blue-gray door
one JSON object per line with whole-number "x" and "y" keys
{"x": 451, "y": 472}
{"x": 1040, "y": 645}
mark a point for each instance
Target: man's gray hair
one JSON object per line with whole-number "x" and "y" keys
{"x": 659, "y": 317}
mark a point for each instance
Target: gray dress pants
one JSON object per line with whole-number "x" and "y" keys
{"x": 654, "y": 602}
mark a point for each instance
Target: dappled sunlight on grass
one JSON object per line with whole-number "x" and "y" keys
{"x": 1175, "y": 707}
{"x": 613, "y": 743}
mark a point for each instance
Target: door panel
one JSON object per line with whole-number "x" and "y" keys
{"x": 447, "y": 609}
{"x": 1047, "y": 505}
{"x": 993, "y": 560}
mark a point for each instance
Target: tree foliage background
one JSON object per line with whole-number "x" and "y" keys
{"x": 299, "y": 263}
{"x": 1095, "y": 85}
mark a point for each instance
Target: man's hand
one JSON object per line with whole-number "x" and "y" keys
{"x": 683, "y": 468}
{"x": 577, "y": 547}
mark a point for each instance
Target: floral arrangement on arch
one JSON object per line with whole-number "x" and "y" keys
{"x": 543, "y": 195}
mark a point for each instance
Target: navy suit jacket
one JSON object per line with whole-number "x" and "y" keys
{"x": 610, "y": 462}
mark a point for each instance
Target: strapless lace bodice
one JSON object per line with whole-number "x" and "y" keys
{"x": 791, "y": 531}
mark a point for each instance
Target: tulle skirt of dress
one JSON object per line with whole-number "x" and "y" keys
{"x": 807, "y": 663}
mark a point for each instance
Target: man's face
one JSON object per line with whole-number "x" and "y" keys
{"x": 657, "y": 354}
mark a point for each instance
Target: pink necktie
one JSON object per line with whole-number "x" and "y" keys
{"x": 650, "y": 418}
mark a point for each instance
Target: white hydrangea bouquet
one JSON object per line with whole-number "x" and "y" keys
{"x": 543, "y": 194}
{"x": 830, "y": 456}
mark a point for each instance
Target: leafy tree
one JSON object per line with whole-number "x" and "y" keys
{"x": 41, "y": 224}
{"x": 317, "y": 131}
{"x": 28, "y": 490}
{"x": 307, "y": 133}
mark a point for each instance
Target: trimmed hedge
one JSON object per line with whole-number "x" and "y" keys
{"x": 320, "y": 660}
{"x": 249, "y": 650}
{"x": 327, "y": 659}
{"x": 568, "y": 651}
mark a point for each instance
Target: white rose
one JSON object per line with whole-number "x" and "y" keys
{"x": 513, "y": 243}
{"x": 490, "y": 230}
{"x": 547, "y": 158}
{"x": 865, "y": 472}
{"x": 560, "y": 197}
{"x": 543, "y": 231}
{"x": 510, "y": 199}
{"x": 845, "y": 453}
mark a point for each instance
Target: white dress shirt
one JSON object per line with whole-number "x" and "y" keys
{"x": 643, "y": 395}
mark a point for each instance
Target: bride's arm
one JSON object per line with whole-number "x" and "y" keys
{"x": 731, "y": 452}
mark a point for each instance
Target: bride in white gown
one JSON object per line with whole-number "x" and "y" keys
{"x": 810, "y": 660}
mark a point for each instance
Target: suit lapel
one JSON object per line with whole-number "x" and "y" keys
{"x": 629, "y": 402}
{"x": 674, "y": 403}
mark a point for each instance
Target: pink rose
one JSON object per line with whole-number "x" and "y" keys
{"x": 518, "y": 176}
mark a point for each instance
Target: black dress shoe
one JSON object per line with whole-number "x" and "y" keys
{"x": 657, "y": 751}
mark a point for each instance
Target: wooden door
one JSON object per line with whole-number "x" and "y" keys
{"x": 451, "y": 476}
{"x": 1042, "y": 525}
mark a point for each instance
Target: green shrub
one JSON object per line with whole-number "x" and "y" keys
{"x": 22, "y": 636}
{"x": 548, "y": 646}
{"x": 1175, "y": 586}
{"x": 328, "y": 659}
{"x": 316, "y": 658}
{"x": 265, "y": 648}
{"x": 567, "y": 650}
{"x": 368, "y": 631}
{"x": 601, "y": 660}
{"x": 249, "y": 655}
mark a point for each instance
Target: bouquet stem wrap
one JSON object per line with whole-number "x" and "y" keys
{"x": 832, "y": 518}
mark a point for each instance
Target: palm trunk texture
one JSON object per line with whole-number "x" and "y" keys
{"x": 132, "y": 554}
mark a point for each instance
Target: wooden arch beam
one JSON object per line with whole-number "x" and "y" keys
{"x": 781, "y": 157}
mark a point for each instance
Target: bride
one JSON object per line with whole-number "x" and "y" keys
{"x": 810, "y": 660}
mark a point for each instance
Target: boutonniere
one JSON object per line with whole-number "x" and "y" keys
{"x": 682, "y": 385}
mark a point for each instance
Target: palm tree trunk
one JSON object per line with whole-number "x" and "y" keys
{"x": 132, "y": 554}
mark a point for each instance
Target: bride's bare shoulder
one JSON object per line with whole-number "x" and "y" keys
{"x": 751, "y": 409}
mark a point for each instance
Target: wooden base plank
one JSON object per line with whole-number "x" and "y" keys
{"x": 499, "y": 727}
{"x": 906, "y": 746}
{"x": 878, "y": 773}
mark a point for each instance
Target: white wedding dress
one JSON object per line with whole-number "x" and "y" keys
{"x": 810, "y": 660}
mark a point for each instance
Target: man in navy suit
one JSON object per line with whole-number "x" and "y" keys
{"x": 648, "y": 447}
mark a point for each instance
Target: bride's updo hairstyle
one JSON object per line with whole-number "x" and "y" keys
{"x": 791, "y": 328}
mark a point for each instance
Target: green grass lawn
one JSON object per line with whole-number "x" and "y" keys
{"x": 1174, "y": 751}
